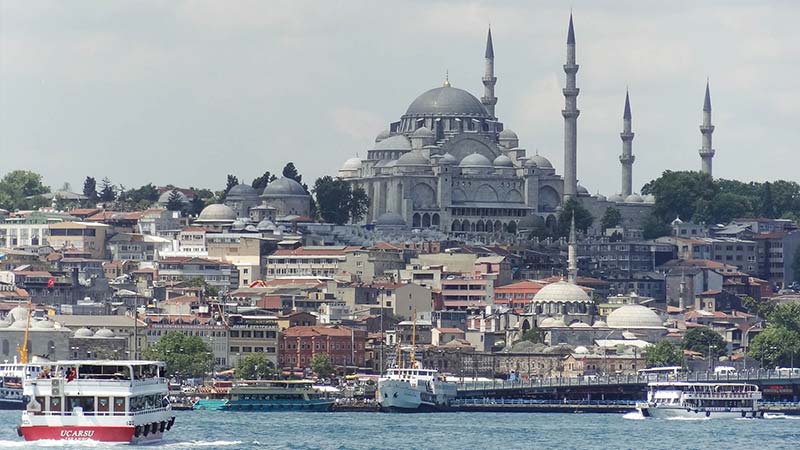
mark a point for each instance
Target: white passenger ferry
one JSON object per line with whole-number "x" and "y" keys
{"x": 689, "y": 400}
{"x": 414, "y": 389}
{"x": 107, "y": 401}
{"x": 12, "y": 376}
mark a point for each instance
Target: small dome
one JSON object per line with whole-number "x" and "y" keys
{"x": 649, "y": 198}
{"x": 265, "y": 225}
{"x": 239, "y": 224}
{"x": 547, "y": 322}
{"x": 579, "y": 325}
{"x": 242, "y": 191}
{"x": 600, "y": 324}
{"x": 352, "y": 164}
{"x": 84, "y": 332}
{"x": 19, "y": 325}
{"x": 582, "y": 190}
{"x": 18, "y": 314}
{"x": 43, "y": 324}
{"x": 448, "y": 158}
{"x": 283, "y": 187}
{"x": 634, "y": 198}
{"x": 503, "y": 161}
{"x": 423, "y": 132}
{"x": 217, "y": 212}
{"x": 561, "y": 292}
{"x": 390, "y": 219}
{"x": 507, "y": 134}
{"x": 104, "y": 333}
{"x": 5, "y": 323}
{"x": 475, "y": 160}
{"x": 382, "y": 135}
{"x": 413, "y": 158}
{"x": 634, "y": 316}
{"x": 396, "y": 142}
{"x": 540, "y": 161}
{"x": 601, "y": 197}
{"x": 616, "y": 198}
{"x": 581, "y": 350}
{"x": 447, "y": 101}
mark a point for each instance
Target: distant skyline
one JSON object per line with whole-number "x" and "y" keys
{"x": 185, "y": 92}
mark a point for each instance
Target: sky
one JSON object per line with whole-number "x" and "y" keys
{"x": 185, "y": 92}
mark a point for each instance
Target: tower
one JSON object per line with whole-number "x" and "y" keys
{"x": 706, "y": 151}
{"x": 627, "y": 158}
{"x": 489, "y": 80}
{"x": 572, "y": 254}
{"x": 570, "y": 113}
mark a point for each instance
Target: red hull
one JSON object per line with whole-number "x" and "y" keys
{"x": 78, "y": 433}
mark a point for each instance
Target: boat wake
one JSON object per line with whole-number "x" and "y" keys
{"x": 688, "y": 419}
{"x": 45, "y": 443}
{"x": 780, "y": 416}
{"x": 634, "y": 415}
{"x": 192, "y": 444}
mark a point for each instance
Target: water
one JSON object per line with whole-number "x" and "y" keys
{"x": 357, "y": 431}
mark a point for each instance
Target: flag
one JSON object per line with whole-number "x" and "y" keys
{"x": 51, "y": 283}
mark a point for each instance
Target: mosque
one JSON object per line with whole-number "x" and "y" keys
{"x": 450, "y": 164}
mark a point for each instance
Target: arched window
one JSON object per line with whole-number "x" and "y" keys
{"x": 426, "y": 220}
{"x": 435, "y": 220}
{"x": 5, "y": 347}
{"x": 415, "y": 221}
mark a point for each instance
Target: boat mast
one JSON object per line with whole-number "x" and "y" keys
{"x": 414, "y": 340}
{"x": 23, "y": 350}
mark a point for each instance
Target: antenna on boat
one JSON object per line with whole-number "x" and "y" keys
{"x": 23, "y": 349}
{"x": 414, "y": 339}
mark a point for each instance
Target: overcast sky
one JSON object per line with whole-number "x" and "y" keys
{"x": 184, "y": 92}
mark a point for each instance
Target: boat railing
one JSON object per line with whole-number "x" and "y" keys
{"x": 100, "y": 413}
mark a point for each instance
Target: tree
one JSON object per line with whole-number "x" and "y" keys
{"x": 704, "y": 340}
{"x": 231, "y": 181}
{"x": 321, "y": 365}
{"x": 796, "y": 265}
{"x": 107, "y": 193}
{"x": 653, "y": 227}
{"x": 90, "y": 190}
{"x": 175, "y": 201}
{"x": 196, "y": 206}
{"x": 767, "y": 202}
{"x": 534, "y": 335}
{"x": 261, "y": 182}
{"x": 290, "y": 171}
{"x": 761, "y": 308}
{"x": 202, "y": 283}
{"x": 359, "y": 204}
{"x": 611, "y": 218}
{"x": 19, "y": 189}
{"x": 255, "y": 366}
{"x": 333, "y": 199}
{"x": 663, "y": 354}
{"x": 186, "y": 356}
{"x": 786, "y": 315}
{"x": 677, "y": 193}
{"x": 776, "y": 346}
{"x": 583, "y": 218}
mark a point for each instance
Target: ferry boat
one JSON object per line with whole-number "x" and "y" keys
{"x": 269, "y": 395}
{"x": 697, "y": 400}
{"x": 414, "y": 389}
{"x": 106, "y": 401}
{"x": 12, "y": 375}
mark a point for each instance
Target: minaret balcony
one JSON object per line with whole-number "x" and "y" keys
{"x": 569, "y": 114}
{"x": 489, "y": 80}
{"x": 571, "y": 92}
{"x": 704, "y": 152}
{"x": 626, "y": 136}
{"x": 571, "y": 68}
{"x": 706, "y": 129}
{"x": 627, "y": 159}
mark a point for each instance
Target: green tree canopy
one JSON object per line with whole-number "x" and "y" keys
{"x": 255, "y": 366}
{"x": 583, "y": 218}
{"x": 337, "y": 203}
{"x": 90, "y": 190}
{"x": 290, "y": 171}
{"x": 185, "y": 356}
{"x": 107, "y": 192}
{"x": 786, "y": 315}
{"x": 19, "y": 190}
{"x": 663, "y": 354}
{"x": 776, "y": 346}
{"x": 703, "y": 340}
{"x": 202, "y": 283}
{"x": 321, "y": 365}
{"x": 677, "y": 193}
{"x": 175, "y": 201}
{"x": 359, "y": 204}
{"x": 261, "y": 182}
{"x": 611, "y": 218}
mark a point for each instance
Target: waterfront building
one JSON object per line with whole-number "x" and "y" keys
{"x": 344, "y": 346}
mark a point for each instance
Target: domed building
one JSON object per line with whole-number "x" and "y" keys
{"x": 217, "y": 215}
{"x": 642, "y": 321}
{"x": 241, "y": 198}
{"x": 467, "y": 174}
{"x": 46, "y": 338}
{"x": 288, "y": 197}
{"x": 565, "y": 301}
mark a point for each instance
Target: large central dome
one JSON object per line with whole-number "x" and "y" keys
{"x": 447, "y": 101}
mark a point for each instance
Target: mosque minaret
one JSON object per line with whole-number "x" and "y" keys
{"x": 489, "y": 80}
{"x": 627, "y": 158}
{"x": 707, "y": 151}
{"x": 570, "y": 114}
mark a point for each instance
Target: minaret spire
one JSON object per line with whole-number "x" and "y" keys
{"x": 627, "y": 158}
{"x": 489, "y": 80}
{"x": 572, "y": 253}
{"x": 570, "y": 113}
{"x": 707, "y": 129}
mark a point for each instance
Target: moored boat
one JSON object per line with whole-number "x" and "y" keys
{"x": 12, "y": 376}
{"x": 107, "y": 401}
{"x": 414, "y": 389}
{"x": 699, "y": 400}
{"x": 269, "y": 395}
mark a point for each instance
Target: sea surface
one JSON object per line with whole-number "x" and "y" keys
{"x": 286, "y": 430}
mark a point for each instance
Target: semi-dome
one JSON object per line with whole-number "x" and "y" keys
{"x": 413, "y": 158}
{"x": 561, "y": 292}
{"x": 217, "y": 212}
{"x": 282, "y": 187}
{"x": 507, "y": 134}
{"x": 503, "y": 161}
{"x": 396, "y": 142}
{"x": 616, "y": 198}
{"x": 390, "y": 219}
{"x": 83, "y": 332}
{"x": 104, "y": 333}
{"x": 423, "y": 132}
{"x": 475, "y": 160}
{"x": 447, "y": 101}
{"x": 540, "y": 161}
{"x": 352, "y": 164}
{"x": 634, "y": 198}
{"x": 242, "y": 191}
{"x": 634, "y": 316}
{"x": 382, "y": 135}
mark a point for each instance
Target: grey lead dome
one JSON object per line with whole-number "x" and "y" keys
{"x": 447, "y": 101}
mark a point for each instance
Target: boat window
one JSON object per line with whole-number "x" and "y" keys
{"x": 86, "y": 403}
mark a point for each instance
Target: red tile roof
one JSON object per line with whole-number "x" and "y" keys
{"x": 318, "y": 330}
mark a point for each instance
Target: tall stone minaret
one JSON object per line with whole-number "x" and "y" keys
{"x": 570, "y": 113}
{"x": 707, "y": 151}
{"x": 572, "y": 253}
{"x": 627, "y": 158}
{"x": 489, "y": 80}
